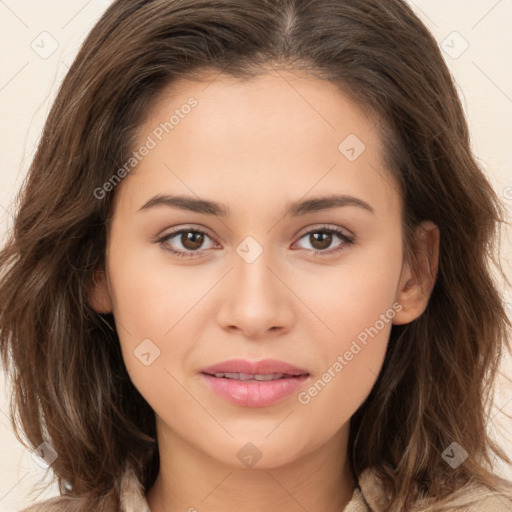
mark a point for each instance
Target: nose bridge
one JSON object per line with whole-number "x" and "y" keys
{"x": 252, "y": 273}
{"x": 257, "y": 299}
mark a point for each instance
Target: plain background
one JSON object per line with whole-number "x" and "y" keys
{"x": 38, "y": 42}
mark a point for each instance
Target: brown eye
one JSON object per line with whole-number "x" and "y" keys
{"x": 185, "y": 242}
{"x": 192, "y": 240}
{"x": 321, "y": 239}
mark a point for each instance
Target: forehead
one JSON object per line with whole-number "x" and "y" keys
{"x": 278, "y": 133}
{"x": 293, "y": 105}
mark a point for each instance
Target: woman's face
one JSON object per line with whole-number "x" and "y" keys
{"x": 291, "y": 250}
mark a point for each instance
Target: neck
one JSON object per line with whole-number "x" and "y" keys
{"x": 190, "y": 480}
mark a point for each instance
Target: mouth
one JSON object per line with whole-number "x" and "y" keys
{"x": 254, "y": 384}
{"x": 243, "y": 369}
{"x": 258, "y": 377}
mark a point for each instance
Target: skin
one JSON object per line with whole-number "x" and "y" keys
{"x": 255, "y": 146}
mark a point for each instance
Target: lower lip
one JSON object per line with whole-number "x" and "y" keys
{"x": 250, "y": 393}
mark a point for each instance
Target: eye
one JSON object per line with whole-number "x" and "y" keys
{"x": 321, "y": 239}
{"x": 191, "y": 240}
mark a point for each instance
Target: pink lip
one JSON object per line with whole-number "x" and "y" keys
{"x": 264, "y": 366}
{"x": 252, "y": 393}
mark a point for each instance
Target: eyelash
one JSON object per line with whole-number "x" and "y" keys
{"x": 348, "y": 240}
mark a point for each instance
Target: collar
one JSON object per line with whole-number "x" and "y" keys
{"x": 369, "y": 496}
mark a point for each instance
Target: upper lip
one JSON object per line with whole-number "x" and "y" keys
{"x": 263, "y": 367}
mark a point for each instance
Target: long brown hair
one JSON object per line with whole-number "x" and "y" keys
{"x": 70, "y": 385}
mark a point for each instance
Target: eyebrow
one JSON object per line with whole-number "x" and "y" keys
{"x": 294, "y": 209}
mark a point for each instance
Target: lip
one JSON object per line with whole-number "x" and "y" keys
{"x": 252, "y": 393}
{"x": 265, "y": 366}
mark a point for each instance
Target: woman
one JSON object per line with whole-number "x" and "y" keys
{"x": 250, "y": 265}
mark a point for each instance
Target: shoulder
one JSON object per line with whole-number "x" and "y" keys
{"x": 487, "y": 502}
{"x": 131, "y": 499}
{"x": 473, "y": 497}
{"x": 481, "y": 500}
{"x": 477, "y": 498}
{"x": 106, "y": 503}
{"x": 52, "y": 505}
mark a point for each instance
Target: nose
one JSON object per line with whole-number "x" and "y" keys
{"x": 256, "y": 301}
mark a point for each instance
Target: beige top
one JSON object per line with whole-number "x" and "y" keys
{"x": 368, "y": 496}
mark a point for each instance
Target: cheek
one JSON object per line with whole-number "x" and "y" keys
{"x": 358, "y": 306}
{"x": 352, "y": 297}
{"x": 153, "y": 306}
{"x": 352, "y": 360}
{"x": 150, "y": 296}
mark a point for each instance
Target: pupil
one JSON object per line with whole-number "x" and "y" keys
{"x": 326, "y": 242}
{"x": 192, "y": 240}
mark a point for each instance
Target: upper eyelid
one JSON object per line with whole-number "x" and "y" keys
{"x": 303, "y": 231}
{"x": 325, "y": 227}
{"x": 176, "y": 231}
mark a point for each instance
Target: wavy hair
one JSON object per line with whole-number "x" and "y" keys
{"x": 70, "y": 386}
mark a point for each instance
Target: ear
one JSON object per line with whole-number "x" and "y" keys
{"x": 99, "y": 296}
{"x": 415, "y": 288}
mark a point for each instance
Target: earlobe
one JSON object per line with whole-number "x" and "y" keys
{"x": 99, "y": 296}
{"x": 415, "y": 288}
